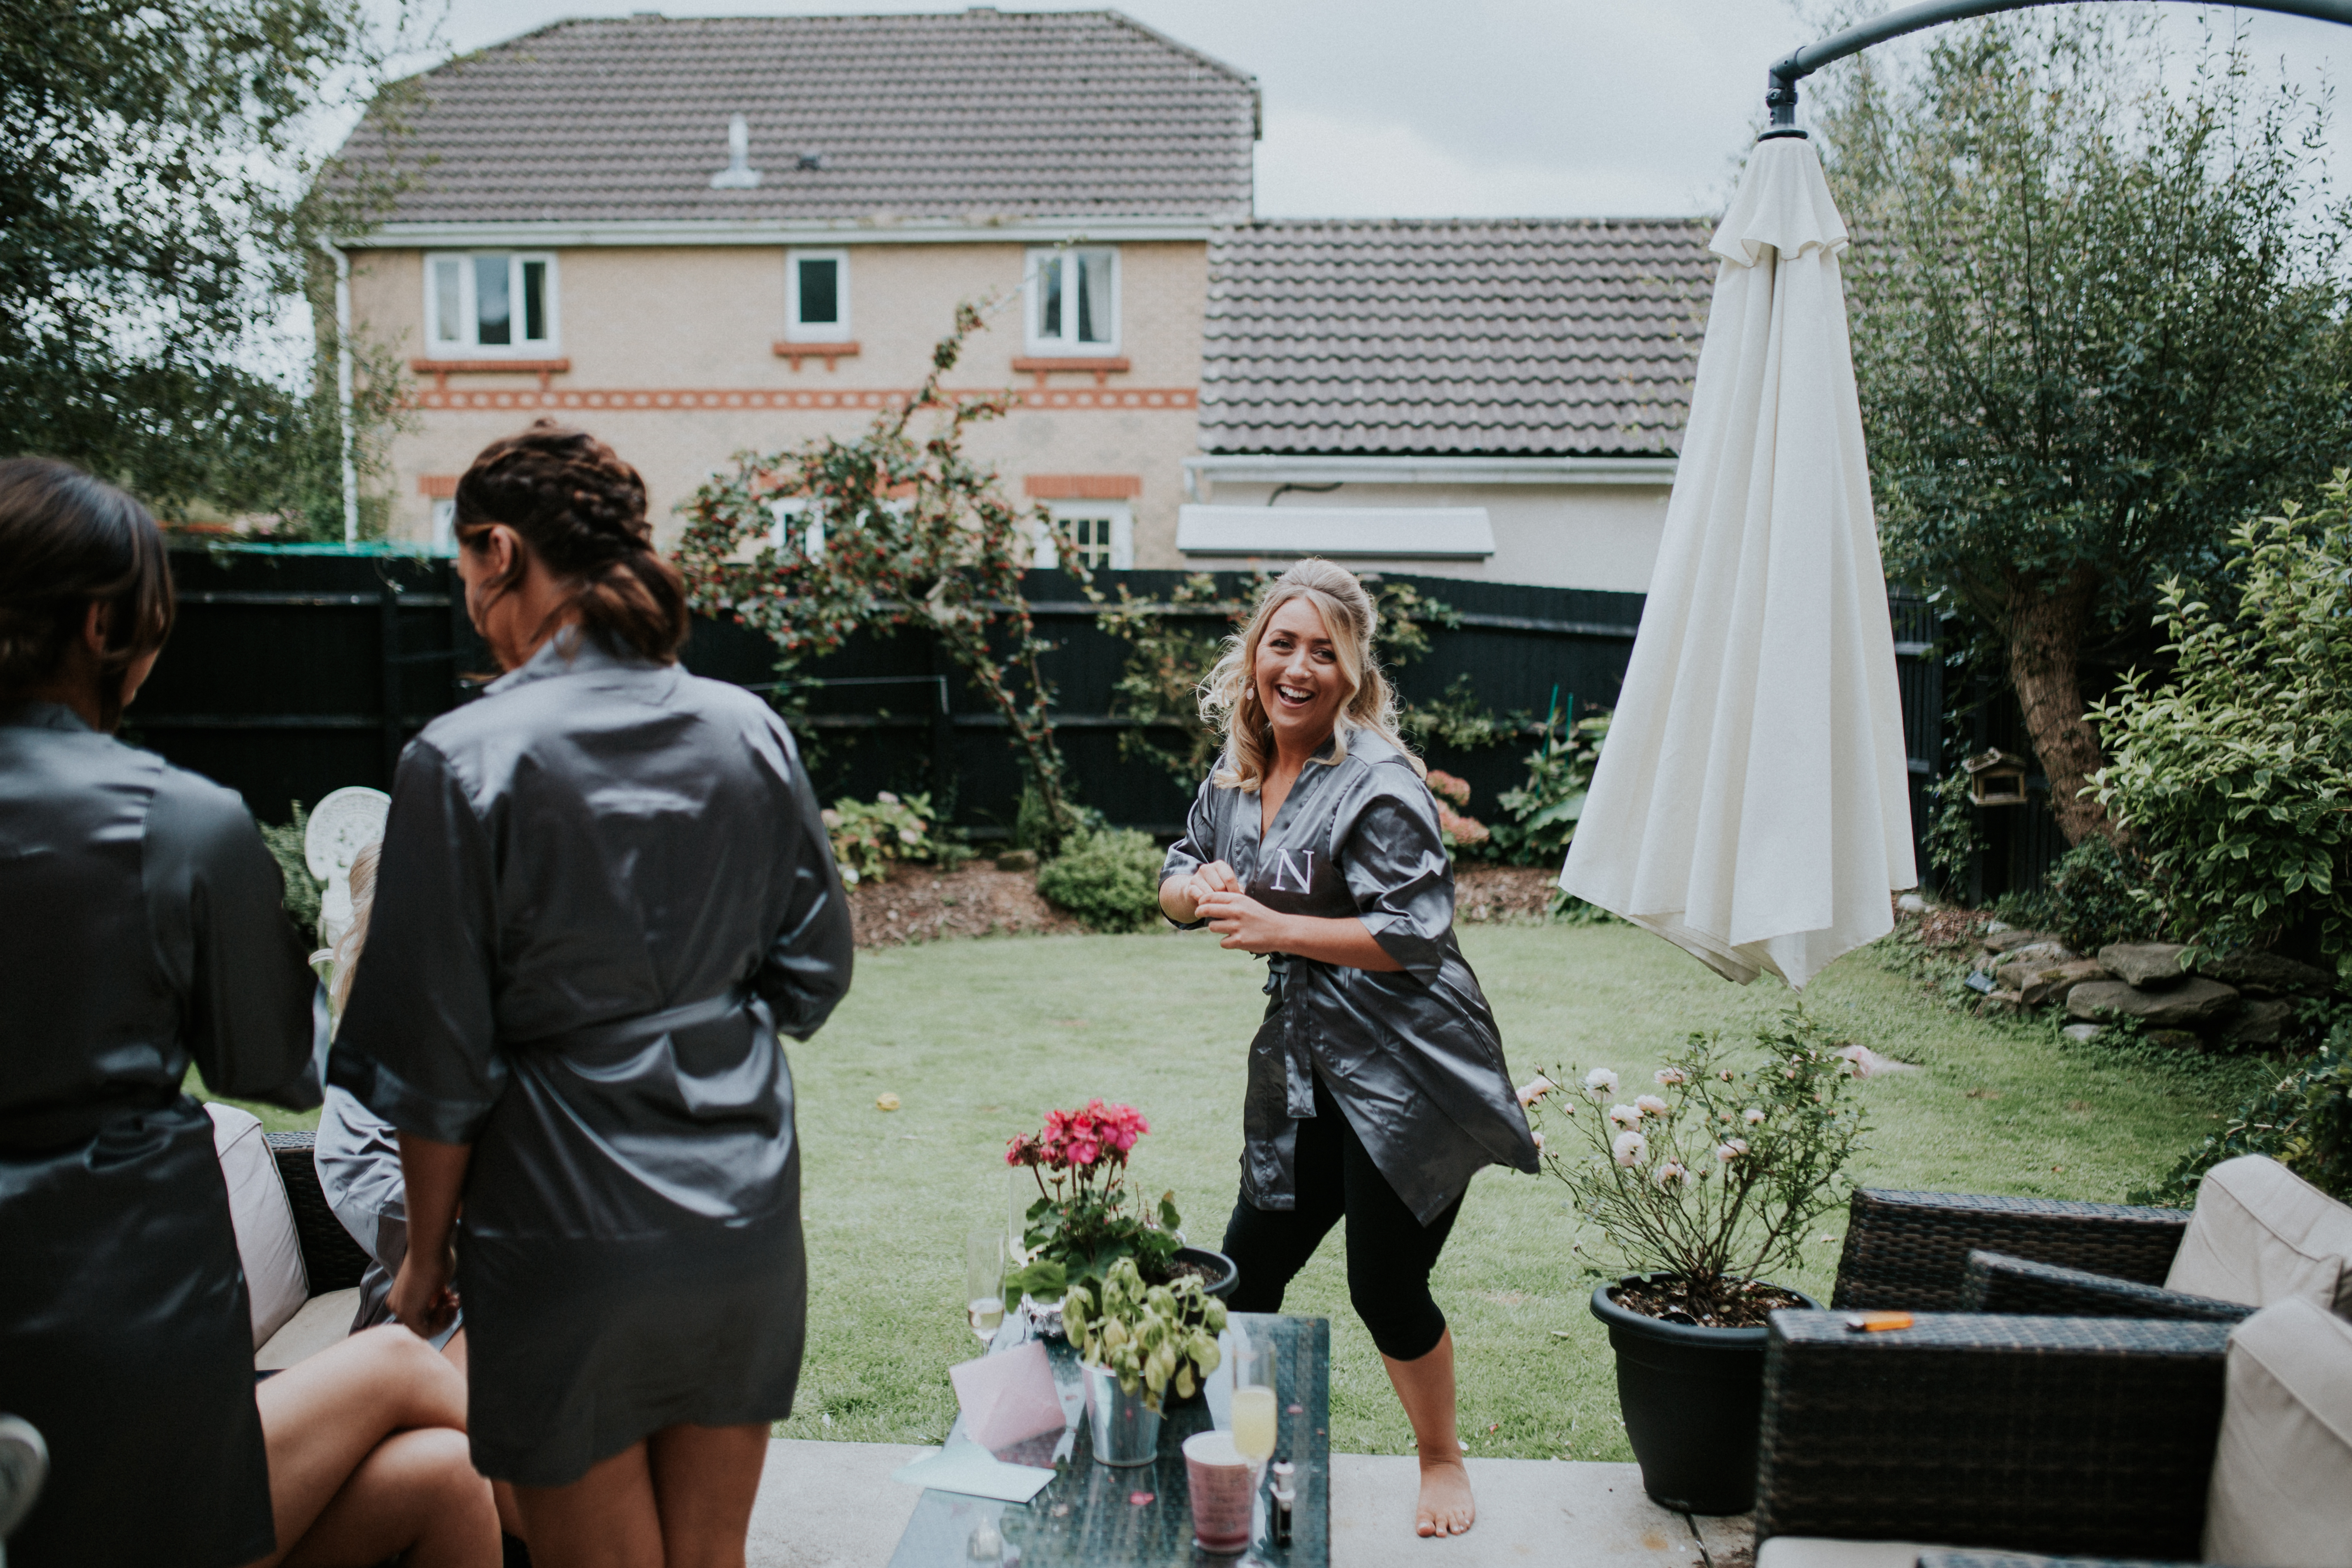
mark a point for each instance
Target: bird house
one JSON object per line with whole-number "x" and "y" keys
{"x": 1996, "y": 778}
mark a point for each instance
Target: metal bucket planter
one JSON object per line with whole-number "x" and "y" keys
{"x": 1127, "y": 1430}
{"x": 1691, "y": 1398}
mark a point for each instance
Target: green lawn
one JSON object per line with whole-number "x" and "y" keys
{"x": 978, "y": 1038}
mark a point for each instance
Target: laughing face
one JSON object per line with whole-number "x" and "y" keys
{"x": 1300, "y": 682}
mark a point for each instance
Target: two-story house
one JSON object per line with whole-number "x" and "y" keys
{"x": 697, "y": 237}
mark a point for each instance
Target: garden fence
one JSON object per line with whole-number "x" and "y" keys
{"x": 293, "y": 672}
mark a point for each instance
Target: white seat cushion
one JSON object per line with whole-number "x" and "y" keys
{"x": 1820, "y": 1552}
{"x": 323, "y": 1320}
{"x": 2260, "y": 1234}
{"x": 267, "y": 1242}
{"x": 2281, "y": 1488}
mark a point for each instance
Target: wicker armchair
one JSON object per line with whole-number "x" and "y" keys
{"x": 2020, "y": 1434}
{"x": 329, "y": 1257}
{"x": 1912, "y": 1250}
{"x": 1994, "y": 1282}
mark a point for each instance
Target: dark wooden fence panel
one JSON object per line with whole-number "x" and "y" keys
{"x": 292, "y": 674}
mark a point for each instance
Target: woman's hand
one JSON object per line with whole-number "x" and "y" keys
{"x": 1246, "y": 924}
{"x": 421, "y": 1296}
{"x": 1181, "y": 897}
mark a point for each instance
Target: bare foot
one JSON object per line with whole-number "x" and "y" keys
{"x": 1446, "y": 1505}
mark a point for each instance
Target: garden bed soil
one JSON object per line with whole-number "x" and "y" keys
{"x": 919, "y": 903}
{"x": 1509, "y": 894}
{"x": 1736, "y": 1304}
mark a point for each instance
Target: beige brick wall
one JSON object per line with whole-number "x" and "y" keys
{"x": 704, "y": 318}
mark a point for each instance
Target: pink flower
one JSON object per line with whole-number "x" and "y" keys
{"x": 1649, "y": 1105}
{"x": 1083, "y": 1151}
{"x": 1535, "y": 1088}
{"x": 1624, "y": 1115}
{"x": 1628, "y": 1149}
{"x": 1671, "y": 1076}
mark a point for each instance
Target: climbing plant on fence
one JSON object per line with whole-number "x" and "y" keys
{"x": 897, "y": 528}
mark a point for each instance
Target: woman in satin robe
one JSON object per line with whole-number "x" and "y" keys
{"x": 1377, "y": 1087}
{"x": 604, "y": 891}
{"x": 141, "y": 930}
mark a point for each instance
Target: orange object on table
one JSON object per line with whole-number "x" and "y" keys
{"x": 1876, "y": 1323}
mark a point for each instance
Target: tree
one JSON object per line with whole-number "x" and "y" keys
{"x": 2095, "y": 326}
{"x": 158, "y": 214}
{"x": 908, "y": 532}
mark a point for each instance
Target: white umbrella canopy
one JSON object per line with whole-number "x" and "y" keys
{"x": 1750, "y": 804}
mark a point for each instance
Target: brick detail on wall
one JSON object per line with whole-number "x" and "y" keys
{"x": 437, "y": 487}
{"x": 1083, "y": 487}
{"x": 627, "y": 398}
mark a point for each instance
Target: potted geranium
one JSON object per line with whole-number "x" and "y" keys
{"x": 1133, "y": 1341}
{"x": 1704, "y": 1187}
{"x": 1081, "y": 1224}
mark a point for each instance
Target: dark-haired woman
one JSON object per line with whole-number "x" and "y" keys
{"x": 141, "y": 930}
{"x": 605, "y": 890}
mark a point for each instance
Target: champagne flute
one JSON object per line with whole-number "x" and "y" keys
{"x": 984, "y": 1282}
{"x": 1253, "y": 1410}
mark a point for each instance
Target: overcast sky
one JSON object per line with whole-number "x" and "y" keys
{"x": 1476, "y": 107}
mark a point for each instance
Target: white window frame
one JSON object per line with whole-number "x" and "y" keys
{"x": 468, "y": 340}
{"x": 445, "y": 525}
{"x": 1121, "y": 515}
{"x": 1067, "y": 344}
{"x": 799, "y": 332}
{"x": 788, "y": 511}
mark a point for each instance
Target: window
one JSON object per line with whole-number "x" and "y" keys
{"x": 1074, "y": 301}
{"x": 789, "y": 514}
{"x": 445, "y": 525}
{"x": 495, "y": 302}
{"x": 816, "y": 296}
{"x": 1103, "y": 531}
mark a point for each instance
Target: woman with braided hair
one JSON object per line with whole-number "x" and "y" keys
{"x": 604, "y": 891}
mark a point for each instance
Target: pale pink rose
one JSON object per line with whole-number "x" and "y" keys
{"x": 1671, "y": 1076}
{"x": 1538, "y": 1137}
{"x": 1649, "y": 1105}
{"x": 1753, "y": 1116}
{"x": 1599, "y": 1084}
{"x": 1535, "y": 1088}
{"x": 1724, "y": 1075}
{"x": 1628, "y": 1149}
{"x": 1670, "y": 1172}
{"x": 1624, "y": 1115}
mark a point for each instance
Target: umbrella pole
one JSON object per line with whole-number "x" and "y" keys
{"x": 1780, "y": 91}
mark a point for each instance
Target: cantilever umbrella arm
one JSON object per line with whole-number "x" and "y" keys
{"x": 1780, "y": 93}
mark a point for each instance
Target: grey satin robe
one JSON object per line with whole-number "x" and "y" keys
{"x": 605, "y": 890}
{"x": 141, "y": 928}
{"x": 1412, "y": 1056}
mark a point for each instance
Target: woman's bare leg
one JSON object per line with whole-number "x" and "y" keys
{"x": 682, "y": 1499}
{"x": 501, "y": 1492}
{"x": 322, "y": 1423}
{"x": 706, "y": 1479}
{"x": 1424, "y": 1387}
{"x": 606, "y": 1519}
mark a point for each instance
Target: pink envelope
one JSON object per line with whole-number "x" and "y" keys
{"x": 1008, "y": 1398}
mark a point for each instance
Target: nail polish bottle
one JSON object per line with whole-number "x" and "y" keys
{"x": 1286, "y": 1497}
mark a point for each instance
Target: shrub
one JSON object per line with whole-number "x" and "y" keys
{"x": 1544, "y": 811}
{"x": 1109, "y": 878}
{"x": 304, "y": 892}
{"x": 2237, "y": 777}
{"x": 1458, "y": 830}
{"x": 2099, "y": 893}
{"x": 2304, "y": 1121}
{"x": 867, "y": 836}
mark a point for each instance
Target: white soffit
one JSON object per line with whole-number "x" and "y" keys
{"x": 1390, "y": 532}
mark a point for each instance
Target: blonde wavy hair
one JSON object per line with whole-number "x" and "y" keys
{"x": 1229, "y": 696}
{"x": 346, "y": 951}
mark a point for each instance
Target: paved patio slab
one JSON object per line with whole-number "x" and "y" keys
{"x": 833, "y": 1505}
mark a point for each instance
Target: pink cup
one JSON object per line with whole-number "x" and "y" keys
{"x": 1224, "y": 1493}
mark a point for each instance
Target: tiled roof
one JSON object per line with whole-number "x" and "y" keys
{"x": 966, "y": 116}
{"x": 1565, "y": 336}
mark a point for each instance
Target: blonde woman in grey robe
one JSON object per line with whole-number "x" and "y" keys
{"x": 1377, "y": 1086}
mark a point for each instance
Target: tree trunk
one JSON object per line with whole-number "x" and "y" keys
{"x": 2045, "y": 644}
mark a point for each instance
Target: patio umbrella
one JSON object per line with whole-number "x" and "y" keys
{"x": 1750, "y": 804}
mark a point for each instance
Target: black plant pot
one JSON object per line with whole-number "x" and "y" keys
{"x": 1224, "y": 1273}
{"x": 1692, "y": 1397}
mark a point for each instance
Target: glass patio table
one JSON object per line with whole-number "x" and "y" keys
{"x": 1098, "y": 1516}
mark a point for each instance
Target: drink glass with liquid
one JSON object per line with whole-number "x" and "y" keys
{"x": 984, "y": 1282}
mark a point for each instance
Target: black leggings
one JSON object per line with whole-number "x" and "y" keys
{"x": 1390, "y": 1253}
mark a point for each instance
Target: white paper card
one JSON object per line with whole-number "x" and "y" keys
{"x": 969, "y": 1468}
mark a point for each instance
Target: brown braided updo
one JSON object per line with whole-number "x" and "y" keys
{"x": 581, "y": 510}
{"x": 68, "y": 541}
